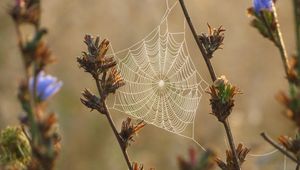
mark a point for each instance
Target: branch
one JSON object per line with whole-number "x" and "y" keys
{"x": 277, "y": 146}
{"x": 231, "y": 143}
{"x": 202, "y": 50}
{"x": 213, "y": 76}
{"x": 113, "y": 127}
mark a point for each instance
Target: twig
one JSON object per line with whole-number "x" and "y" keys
{"x": 275, "y": 145}
{"x": 113, "y": 127}
{"x": 213, "y": 77}
{"x": 231, "y": 142}
{"x": 201, "y": 48}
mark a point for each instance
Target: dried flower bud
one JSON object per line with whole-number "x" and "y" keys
{"x": 229, "y": 165}
{"x": 291, "y": 144}
{"x": 293, "y": 74}
{"x": 26, "y": 11}
{"x": 136, "y": 166}
{"x": 213, "y": 40}
{"x": 43, "y": 56}
{"x": 291, "y": 103}
{"x": 113, "y": 82}
{"x": 92, "y": 101}
{"x": 94, "y": 60}
{"x": 128, "y": 130}
{"x": 222, "y": 102}
{"x": 204, "y": 162}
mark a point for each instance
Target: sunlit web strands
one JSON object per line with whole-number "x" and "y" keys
{"x": 163, "y": 87}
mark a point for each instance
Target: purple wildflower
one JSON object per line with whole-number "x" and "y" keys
{"x": 46, "y": 86}
{"x": 259, "y": 5}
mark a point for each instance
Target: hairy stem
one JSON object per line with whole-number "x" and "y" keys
{"x": 277, "y": 146}
{"x": 113, "y": 127}
{"x": 198, "y": 41}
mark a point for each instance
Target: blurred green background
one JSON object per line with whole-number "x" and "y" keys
{"x": 248, "y": 61}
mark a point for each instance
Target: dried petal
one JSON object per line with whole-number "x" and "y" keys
{"x": 213, "y": 40}
{"x": 92, "y": 101}
{"x": 129, "y": 129}
{"x": 229, "y": 165}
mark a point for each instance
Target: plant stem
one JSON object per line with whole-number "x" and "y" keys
{"x": 280, "y": 44}
{"x": 275, "y": 145}
{"x": 213, "y": 76}
{"x": 29, "y": 106}
{"x": 123, "y": 148}
{"x": 198, "y": 41}
{"x": 231, "y": 142}
{"x": 297, "y": 27}
{"x": 113, "y": 127}
{"x": 21, "y": 48}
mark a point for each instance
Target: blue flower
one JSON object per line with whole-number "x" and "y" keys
{"x": 46, "y": 86}
{"x": 259, "y": 5}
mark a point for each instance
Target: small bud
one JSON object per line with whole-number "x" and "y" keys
{"x": 92, "y": 101}
{"x": 213, "y": 40}
{"x": 241, "y": 153}
{"x": 113, "y": 82}
{"x": 293, "y": 74}
{"x": 291, "y": 144}
{"x": 24, "y": 11}
{"x": 291, "y": 103}
{"x": 95, "y": 61}
{"x": 222, "y": 94}
{"x": 43, "y": 55}
{"x": 128, "y": 130}
{"x": 136, "y": 166}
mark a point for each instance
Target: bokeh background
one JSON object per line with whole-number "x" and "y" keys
{"x": 248, "y": 61}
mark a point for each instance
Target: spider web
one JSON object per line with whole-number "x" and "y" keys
{"x": 163, "y": 86}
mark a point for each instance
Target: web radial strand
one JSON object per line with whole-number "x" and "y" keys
{"x": 163, "y": 87}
